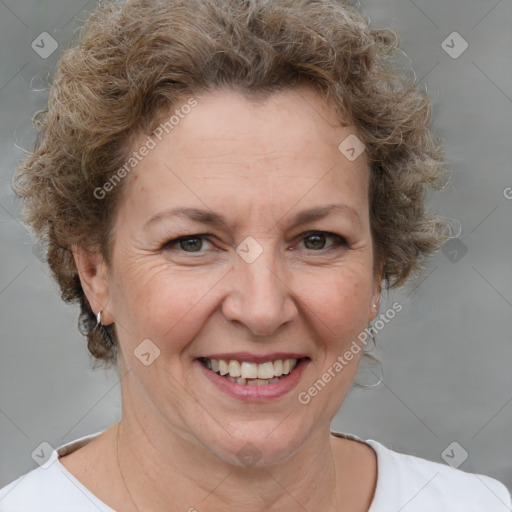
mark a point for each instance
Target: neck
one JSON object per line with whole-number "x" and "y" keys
{"x": 163, "y": 468}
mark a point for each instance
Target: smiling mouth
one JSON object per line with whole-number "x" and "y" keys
{"x": 251, "y": 374}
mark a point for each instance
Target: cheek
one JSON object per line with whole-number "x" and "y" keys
{"x": 159, "y": 304}
{"x": 337, "y": 303}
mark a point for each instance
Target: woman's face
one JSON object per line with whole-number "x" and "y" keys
{"x": 248, "y": 288}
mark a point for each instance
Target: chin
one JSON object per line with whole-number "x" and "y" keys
{"x": 256, "y": 444}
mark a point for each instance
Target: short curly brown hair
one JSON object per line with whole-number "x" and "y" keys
{"x": 137, "y": 59}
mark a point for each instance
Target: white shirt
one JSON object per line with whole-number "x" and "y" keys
{"x": 405, "y": 483}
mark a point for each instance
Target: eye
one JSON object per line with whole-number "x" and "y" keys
{"x": 313, "y": 240}
{"x": 187, "y": 243}
{"x": 316, "y": 240}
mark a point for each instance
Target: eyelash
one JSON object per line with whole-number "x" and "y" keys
{"x": 339, "y": 241}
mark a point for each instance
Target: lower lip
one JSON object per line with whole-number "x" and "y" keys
{"x": 255, "y": 393}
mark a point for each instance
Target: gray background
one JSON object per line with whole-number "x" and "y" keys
{"x": 446, "y": 357}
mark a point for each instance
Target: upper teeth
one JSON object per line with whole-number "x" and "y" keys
{"x": 248, "y": 370}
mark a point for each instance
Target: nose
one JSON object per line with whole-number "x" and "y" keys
{"x": 259, "y": 297}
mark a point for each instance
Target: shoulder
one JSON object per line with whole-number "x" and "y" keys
{"x": 412, "y": 484}
{"x": 50, "y": 488}
{"x": 419, "y": 485}
{"x": 40, "y": 490}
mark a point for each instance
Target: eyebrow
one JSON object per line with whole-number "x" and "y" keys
{"x": 212, "y": 218}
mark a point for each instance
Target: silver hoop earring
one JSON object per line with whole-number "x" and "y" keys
{"x": 98, "y": 319}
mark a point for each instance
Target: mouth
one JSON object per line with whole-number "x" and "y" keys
{"x": 250, "y": 373}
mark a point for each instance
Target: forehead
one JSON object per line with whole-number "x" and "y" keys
{"x": 296, "y": 121}
{"x": 230, "y": 144}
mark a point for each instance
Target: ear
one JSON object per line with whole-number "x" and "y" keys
{"x": 92, "y": 270}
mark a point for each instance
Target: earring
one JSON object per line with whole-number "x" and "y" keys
{"x": 105, "y": 329}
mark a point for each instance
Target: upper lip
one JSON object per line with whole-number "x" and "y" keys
{"x": 255, "y": 358}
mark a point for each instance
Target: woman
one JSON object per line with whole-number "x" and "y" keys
{"x": 224, "y": 186}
